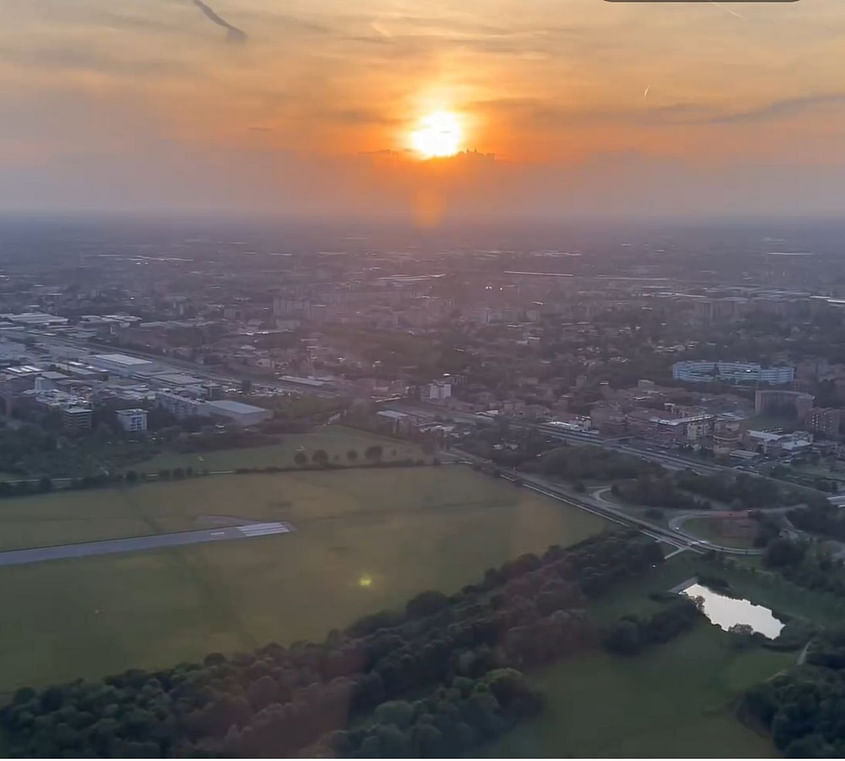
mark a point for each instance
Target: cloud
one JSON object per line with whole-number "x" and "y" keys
{"x": 233, "y": 34}
{"x": 783, "y": 107}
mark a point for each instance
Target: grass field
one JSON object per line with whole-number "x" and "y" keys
{"x": 714, "y": 530}
{"x": 770, "y": 589}
{"x": 366, "y": 539}
{"x": 335, "y": 440}
{"x": 672, "y": 700}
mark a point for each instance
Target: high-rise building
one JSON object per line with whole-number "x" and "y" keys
{"x": 77, "y": 419}
{"x": 824, "y": 420}
{"x": 783, "y": 403}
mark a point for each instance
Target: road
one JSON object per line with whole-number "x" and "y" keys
{"x": 141, "y": 543}
{"x": 607, "y": 510}
{"x": 668, "y": 459}
{"x": 677, "y": 521}
{"x": 588, "y": 504}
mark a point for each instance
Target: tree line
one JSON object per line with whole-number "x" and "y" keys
{"x": 802, "y": 709}
{"x": 631, "y": 633}
{"x": 277, "y": 700}
{"x": 451, "y": 721}
{"x": 823, "y": 519}
{"x": 687, "y": 490}
{"x": 580, "y": 463}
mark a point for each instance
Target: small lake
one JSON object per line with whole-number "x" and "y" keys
{"x": 726, "y": 612}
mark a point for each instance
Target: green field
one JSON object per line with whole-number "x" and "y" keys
{"x": 751, "y": 580}
{"x": 366, "y": 539}
{"x": 675, "y": 699}
{"x": 335, "y": 440}
{"x": 672, "y": 700}
{"x": 713, "y": 530}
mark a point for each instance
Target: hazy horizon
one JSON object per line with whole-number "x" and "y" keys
{"x": 577, "y": 108}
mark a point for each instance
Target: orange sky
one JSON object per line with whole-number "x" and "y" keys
{"x": 133, "y": 101}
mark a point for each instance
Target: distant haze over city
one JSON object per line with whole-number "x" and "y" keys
{"x": 525, "y": 109}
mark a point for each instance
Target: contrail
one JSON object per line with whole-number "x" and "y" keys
{"x": 233, "y": 34}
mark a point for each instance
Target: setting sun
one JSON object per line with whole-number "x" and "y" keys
{"x": 438, "y": 134}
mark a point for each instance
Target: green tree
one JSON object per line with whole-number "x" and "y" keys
{"x": 374, "y": 452}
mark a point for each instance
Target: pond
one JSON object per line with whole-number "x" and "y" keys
{"x": 726, "y": 612}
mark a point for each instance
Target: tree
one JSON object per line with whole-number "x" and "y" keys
{"x": 784, "y": 552}
{"x": 624, "y": 638}
{"x": 426, "y": 604}
{"x": 399, "y": 713}
{"x": 374, "y": 452}
{"x": 263, "y": 691}
{"x": 742, "y": 636}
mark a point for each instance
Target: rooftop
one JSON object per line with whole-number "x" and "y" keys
{"x": 121, "y": 359}
{"x": 236, "y": 407}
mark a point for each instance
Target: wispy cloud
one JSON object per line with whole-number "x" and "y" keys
{"x": 784, "y": 107}
{"x": 233, "y": 34}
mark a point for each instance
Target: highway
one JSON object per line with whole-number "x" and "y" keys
{"x": 595, "y": 507}
{"x": 602, "y": 508}
{"x": 623, "y": 445}
{"x": 141, "y": 543}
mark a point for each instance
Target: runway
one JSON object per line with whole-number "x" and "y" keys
{"x": 141, "y": 543}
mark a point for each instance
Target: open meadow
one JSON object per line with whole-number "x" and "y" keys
{"x": 674, "y": 699}
{"x": 365, "y": 539}
{"x": 337, "y": 441}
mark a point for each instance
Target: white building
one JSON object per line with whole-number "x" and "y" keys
{"x": 122, "y": 364}
{"x": 184, "y": 406}
{"x": 439, "y": 391}
{"x": 133, "y": 420}
{"x": 705, "y": 371}
{"x": 180, "y": 406}
{"x": 237, "y": 412}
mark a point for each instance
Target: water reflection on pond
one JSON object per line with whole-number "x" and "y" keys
{"x": 726, "y": 612}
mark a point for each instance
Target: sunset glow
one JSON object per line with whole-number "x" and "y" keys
{"x": 437, "y": 135}
{"x": 595, "y": 106}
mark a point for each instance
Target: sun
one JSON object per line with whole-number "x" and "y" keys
{"x": 437, "y": 134}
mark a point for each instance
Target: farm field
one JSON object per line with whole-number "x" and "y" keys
{"x": 337, "y": 441}
{"x": 672, "y": 700}
{"x": 365, "y": 539}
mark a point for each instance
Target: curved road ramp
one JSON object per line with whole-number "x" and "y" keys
{"x": 141, "y": 543}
